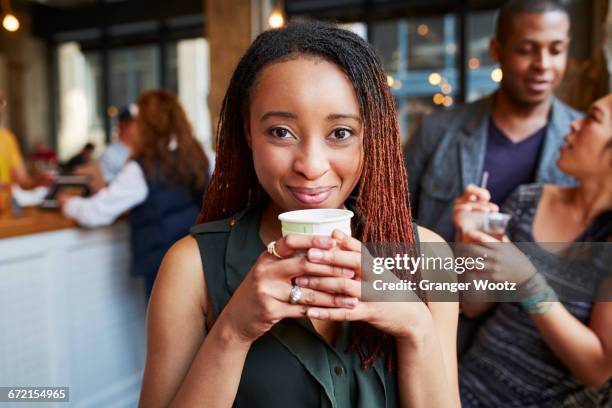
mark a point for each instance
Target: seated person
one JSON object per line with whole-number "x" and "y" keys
{"x": 12, "y": 166}
{"x": 117, "y": 154}
{"x": 104, "y": 171}
{"x": 81, "y": 158}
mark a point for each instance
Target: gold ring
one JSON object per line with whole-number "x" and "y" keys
{"x": 272, "y": 250}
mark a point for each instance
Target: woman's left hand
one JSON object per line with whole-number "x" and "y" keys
{"x": 504, "y": 261}
{"x": 399, "y": 319}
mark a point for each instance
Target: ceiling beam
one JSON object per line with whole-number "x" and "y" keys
{"x": 47, "y": 21}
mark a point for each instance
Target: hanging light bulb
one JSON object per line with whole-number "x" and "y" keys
{"x": 277, "y": 18}
{"x": 10, "y": 22}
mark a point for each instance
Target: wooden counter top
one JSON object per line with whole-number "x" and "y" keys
{"x": 32, "y": 221}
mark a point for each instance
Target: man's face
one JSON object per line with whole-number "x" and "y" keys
{"x": 533, "y": 56}
{"x": 87, "y": 153}
{"x": 126, "y": 130}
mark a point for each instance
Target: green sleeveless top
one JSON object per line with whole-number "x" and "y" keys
{"x": 290, "y": 365}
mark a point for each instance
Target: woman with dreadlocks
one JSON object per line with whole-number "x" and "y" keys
{"x": 308, "y": 121}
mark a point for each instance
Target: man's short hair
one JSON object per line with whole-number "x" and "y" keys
{"x": 513, "y": 7}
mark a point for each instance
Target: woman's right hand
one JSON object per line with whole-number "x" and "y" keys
{"x": 473, "y": 199}
{"x": 262, "y": 299}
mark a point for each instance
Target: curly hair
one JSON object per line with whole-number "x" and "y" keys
{"x": 382, "y": 200}
{"x": 161, "y": 121}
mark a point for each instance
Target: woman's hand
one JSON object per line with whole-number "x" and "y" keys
{"x": 399, "y": 319}
{"x": 504, "y": 262}
{"x": 262, "y": 299}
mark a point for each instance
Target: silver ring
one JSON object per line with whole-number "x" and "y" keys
{"x": 272, "y": 250}
{"x": 295, "y": 295}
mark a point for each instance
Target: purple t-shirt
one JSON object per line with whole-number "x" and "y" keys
{"x": 510, "y": 164}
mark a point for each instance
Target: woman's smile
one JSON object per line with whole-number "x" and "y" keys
{"x": 314, "y": 196}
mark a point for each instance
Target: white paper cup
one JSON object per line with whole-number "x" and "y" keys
{"x": 321, "y": 221}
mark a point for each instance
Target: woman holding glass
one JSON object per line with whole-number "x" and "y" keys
{"x": 541, "y": 351}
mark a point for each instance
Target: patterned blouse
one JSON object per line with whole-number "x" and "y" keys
{"x": 509, "y": 364}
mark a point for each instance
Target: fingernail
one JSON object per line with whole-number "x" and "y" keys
{"x": 340, "y": 234}
{"x": 349, "y": 301}
{"x": 348, "y": 273}
{"x": 324, "y": 241}
{"x": 301, "y": 281}
{"x": 313, "y": 313}
{"x": 315, "y": 254}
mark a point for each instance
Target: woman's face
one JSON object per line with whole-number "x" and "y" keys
{"x": 586, "y": 153}
{"x": 306, "y": 134}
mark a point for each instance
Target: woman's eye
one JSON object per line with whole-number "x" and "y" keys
{"x": 280, "y": 133}
{"x": 342, "y": 133}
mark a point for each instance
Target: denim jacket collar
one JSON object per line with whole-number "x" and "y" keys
{"x": 474, "y": 138}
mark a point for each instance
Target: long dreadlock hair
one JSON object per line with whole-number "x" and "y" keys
{"x": 382, "y": 200}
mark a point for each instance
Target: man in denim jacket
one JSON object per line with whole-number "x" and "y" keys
{"x": 514, "y": 135}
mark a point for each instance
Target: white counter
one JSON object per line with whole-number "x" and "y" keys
{"x": 71, "y": 315}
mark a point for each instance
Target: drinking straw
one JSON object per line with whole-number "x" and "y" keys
{"x": 485, "y": 179}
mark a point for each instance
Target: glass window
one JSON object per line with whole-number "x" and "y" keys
{"x": 193, "y": 65}
{"x": 93, "y": 88}
{"x": 133, "y": 70}
{"x": 431, "y": 43}
{"x": 80, "y": 113}
{"x": 483, "y": 73}
{"x": 384, "y": 38}
{"x": 419, "y": 56}
{"x": 171, "y": 82}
